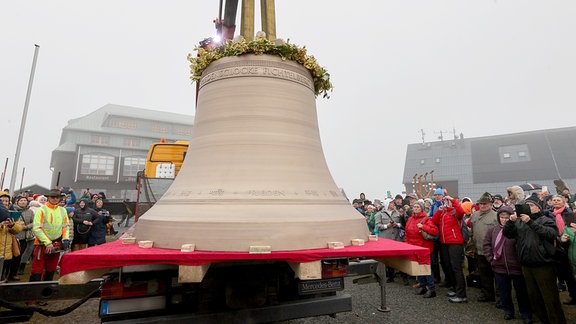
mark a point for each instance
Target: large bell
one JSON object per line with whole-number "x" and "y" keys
{"x": 255, "y": 173}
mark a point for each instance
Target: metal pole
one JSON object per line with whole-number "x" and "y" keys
{"x": 23, "y": 123}
{"x": 4, "y": 174}
{"x": 22, "y": 178}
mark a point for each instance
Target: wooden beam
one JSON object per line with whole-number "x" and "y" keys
{"x": 402, "y": 264}
{"x": 307, "y": 270}
{"x": 192, "y": 273}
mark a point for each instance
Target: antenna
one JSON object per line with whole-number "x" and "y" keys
{"x": 422, "y": 135}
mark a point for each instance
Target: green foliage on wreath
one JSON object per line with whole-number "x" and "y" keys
{"x": 261, "y": 46}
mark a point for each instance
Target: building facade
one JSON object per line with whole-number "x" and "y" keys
{"x": 104, "y": 150}
{"x": 470, "y": 167}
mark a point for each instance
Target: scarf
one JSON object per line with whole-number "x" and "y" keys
{"x": 559, "y": 220}
{"x": 499, "y": 243}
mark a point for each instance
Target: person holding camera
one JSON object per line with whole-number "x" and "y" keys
{"x": 99, "y": 228}
{"x": 8, "y": 228}
{"x": 535, "y": 236}
{"x": 448, "y": 218}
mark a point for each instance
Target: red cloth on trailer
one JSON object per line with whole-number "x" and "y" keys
{"x": 116, "y": 254}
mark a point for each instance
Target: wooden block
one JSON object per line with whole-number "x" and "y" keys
{"x": 128, "y": 240}
{"x": 192, "y": 273}
{"x": 409, "y": 267}
{"x": 307, "y": 270}
{"x": 357, "y": 242}
{"x": 335, "y": 245}
{"x": 372, "y": 237}
{"x": 260, "y": 249}
{"x": 145, "y": 244}
{"x": 187, "y": 248}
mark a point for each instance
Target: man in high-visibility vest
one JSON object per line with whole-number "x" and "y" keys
{"x": 52, "y": 237}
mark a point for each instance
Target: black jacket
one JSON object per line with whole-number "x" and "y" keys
{"x": 535, "y": 240}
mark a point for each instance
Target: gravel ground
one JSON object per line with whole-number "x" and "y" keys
{"x": 405, "y": 307}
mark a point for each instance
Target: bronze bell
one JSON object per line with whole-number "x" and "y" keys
{"x": 255, "y": 173}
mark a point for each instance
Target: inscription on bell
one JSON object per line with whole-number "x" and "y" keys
{"x": 247, "y": 71}
{"x": 267, "y": 193}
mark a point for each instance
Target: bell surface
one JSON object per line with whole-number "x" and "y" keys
{"x": 255, "y": 173}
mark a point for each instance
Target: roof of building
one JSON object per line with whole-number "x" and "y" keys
{"x": 94, "y": 120}
{"x": 525, "y": 156}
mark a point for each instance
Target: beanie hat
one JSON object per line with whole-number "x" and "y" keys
{"x": 498, "y": 196}
{"x": 36, "y": 196}
{"x": 420, "y": 203}
{"x": 467, "y": 206}
{"x": 4, "y": 194}
{"x": 534, "y": 200}
{"x": 398, "y": 196}
{"x": 439, "y": 191}
{"x": 485, "y": 198}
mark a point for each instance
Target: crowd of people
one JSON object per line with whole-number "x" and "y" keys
{"x": 36, "y": 229}
{"x": 522, "y": 244}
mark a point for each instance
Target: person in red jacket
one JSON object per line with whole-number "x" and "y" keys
{"x": 418, "y": 222}
{"x": 449, "y": 217}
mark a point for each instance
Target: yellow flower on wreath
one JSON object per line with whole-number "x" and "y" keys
{"x": 260, "y": 46}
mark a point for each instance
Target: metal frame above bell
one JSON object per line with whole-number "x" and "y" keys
{"x": 255, "y": 173}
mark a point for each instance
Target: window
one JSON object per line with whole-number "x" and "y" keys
{"x": 132, "y": 142}
{"x": 186, "y": 131}
{"x": 132, "y": 165}
{"x": 121, "y": 123}
{"x": 514, "y": 153}
{"x": 437, "y": 160}
{"x": 422, "y": 161}
{"x": 97, "y": 164}
{"x": 100, "y": 140}
{"x": 160, "y": 128}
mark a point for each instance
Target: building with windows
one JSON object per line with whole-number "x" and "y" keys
{"x": 104, "y": 150}
{"x": 470, "y": 167}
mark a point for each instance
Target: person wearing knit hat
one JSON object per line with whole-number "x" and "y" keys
{"x": 439, "y": 191}
{"x": 481, "y": 221}
{"x": 534, "y": 201}
{"x": 535, "y": 236}
{"x": 420, "y": 203}
{"x": 435, "y": 257}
